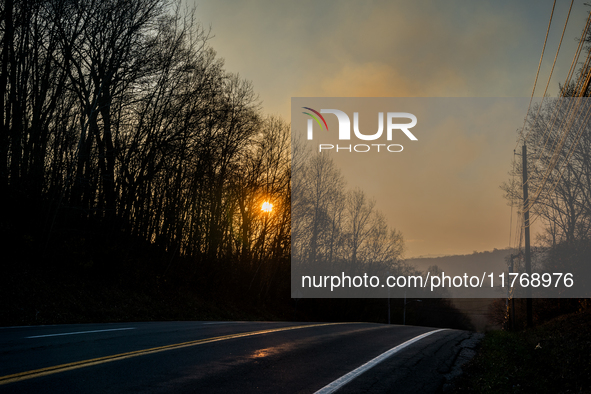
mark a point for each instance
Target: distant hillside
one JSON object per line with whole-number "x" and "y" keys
{"x": 474, "y": 263}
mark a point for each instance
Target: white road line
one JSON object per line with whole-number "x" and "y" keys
{"x": 343, "y": 380}
{"x": 81, "y": 332}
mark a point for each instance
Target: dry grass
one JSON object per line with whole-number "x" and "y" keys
{"x": 552, "y": 358}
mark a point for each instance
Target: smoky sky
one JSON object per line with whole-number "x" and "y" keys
{"x": 408, "y": 49}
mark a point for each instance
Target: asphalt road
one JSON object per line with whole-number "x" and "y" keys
{"x": 224, "y": 357}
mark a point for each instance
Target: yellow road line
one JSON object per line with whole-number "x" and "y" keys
{"x": 101, "y": 360}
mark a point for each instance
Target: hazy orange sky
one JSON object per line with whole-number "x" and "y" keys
{"x": 342, "y": 48}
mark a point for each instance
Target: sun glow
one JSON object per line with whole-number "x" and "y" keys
{"x": 267, "y": 206}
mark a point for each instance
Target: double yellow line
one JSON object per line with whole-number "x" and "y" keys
{"x": 121, "y": 356}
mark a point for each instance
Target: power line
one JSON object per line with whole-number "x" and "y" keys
{"x": 538, "y": 72}
{"x": 558, "y": 49}
{"x": 566, "y": 124}
{"x": 557, "y": 147}
{"x": 577, "y": 52}
{"x": 568, "y": 120}
{"x": 567, "y": 82}
{"x": 553, "y": 63}
{"x": 571, "y": 151}
{"x": 573, "y": 63}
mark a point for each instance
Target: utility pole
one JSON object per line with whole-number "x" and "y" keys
{"x": 512, "y": 295}
{"x": 529, "y": 308}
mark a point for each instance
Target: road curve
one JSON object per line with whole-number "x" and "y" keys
{"x": 224, "y": 357}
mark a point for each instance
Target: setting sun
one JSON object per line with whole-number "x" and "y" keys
{"x": 267, "y": 206}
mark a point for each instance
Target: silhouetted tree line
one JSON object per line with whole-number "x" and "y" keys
{"x": 130, "y": 156}
{"x": 335, "y": 229}
{"x": 559, "y": 181}
{"x": 118, "y": 114}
